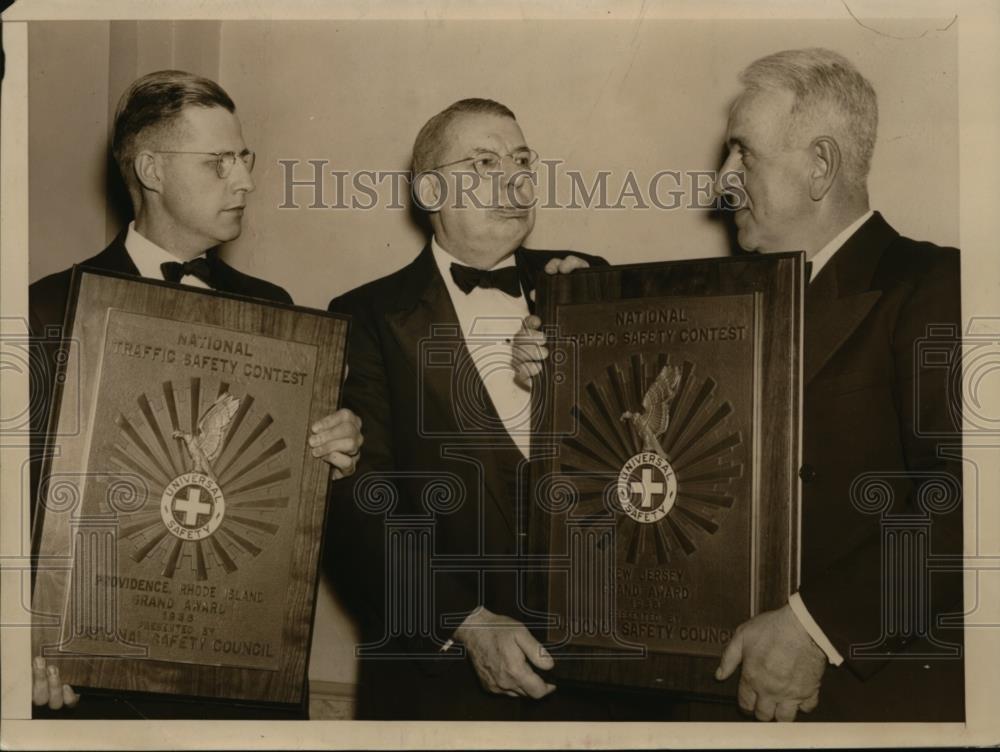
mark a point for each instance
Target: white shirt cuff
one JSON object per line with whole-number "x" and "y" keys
{"x": 812, "y": 628}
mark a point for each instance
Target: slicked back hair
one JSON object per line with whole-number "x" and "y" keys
{"x": 152, "y": 105}
{"x": 430, "y": 143}
{"x": 830, "y": 95}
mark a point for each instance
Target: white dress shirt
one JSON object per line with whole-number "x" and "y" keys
{"x": 826, "y": 252}
{"x": 489, "y": 319}
{"x": 147, "y": 257}
{"x": 796, "y": 603}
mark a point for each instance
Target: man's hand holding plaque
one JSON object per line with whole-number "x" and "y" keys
{"x": 47, "y": 687}
{"x": 337, "y": 439}
{"x": 659, "y": 371}
{"x": 529, "y": 343}
{"x": 528, "y": 351}
{"x": 782, "y": 666}
{"x": 564, "y": 266}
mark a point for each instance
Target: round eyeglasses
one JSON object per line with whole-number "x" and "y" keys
{"x": 225, "y": 161}
{"x": 488, "y": 163}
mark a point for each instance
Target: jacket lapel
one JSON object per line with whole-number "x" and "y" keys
{"x": 841, "y": 296}
{"x": 425, "y": 314}
{"x": 529, "y": 266}
{"x": 226, "y": 279}
{"x": 114, "y": 258}
{"x": 223, "y": 278}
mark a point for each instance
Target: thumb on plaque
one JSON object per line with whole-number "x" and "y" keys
{"x": 732, "y": 656}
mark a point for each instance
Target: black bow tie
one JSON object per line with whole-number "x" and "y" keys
{"x": 173, "y": 271}
{"x": 506, "y": 279}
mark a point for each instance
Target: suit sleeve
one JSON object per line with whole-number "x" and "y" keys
{"x": 595, "y": 260}
{"x": 270, "y": 291}
{"x": 848, "y": 601}
{"x": 356, "y": 549}
{"x": 590, "y": 258}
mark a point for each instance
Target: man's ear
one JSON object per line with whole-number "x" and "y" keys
{"x": 147, "y": 171}
{"x": 430, "y": 190}
{"x": 825, "y": 153}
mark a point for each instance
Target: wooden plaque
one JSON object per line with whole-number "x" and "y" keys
{"x": 179, "y": 528}
{"x": 665, "y": 464}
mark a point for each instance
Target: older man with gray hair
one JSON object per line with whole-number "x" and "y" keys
{"x": 800, "y": 142}
{"x": 864, "y": 621}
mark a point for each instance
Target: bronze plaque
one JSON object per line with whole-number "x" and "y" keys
{"x": 665, "y": 464}
{"x": 188, "y": 511}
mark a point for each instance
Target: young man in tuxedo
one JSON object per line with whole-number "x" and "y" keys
{"x": 179, "y": 146}
{"x": 800, "y": 141}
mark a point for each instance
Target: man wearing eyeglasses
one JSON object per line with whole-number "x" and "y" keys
{"x": 438, "y": 576}
{"x": 179, "y": 146}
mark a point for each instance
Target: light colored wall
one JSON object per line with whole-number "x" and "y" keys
{"x": 599, "y": 95}
{"x": 76, "y": 73}
{"x": 141, "y": 47}
{"x": 67, "y": 142}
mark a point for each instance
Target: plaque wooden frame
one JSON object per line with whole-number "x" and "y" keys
{"x": 776, "y": 283}
{"x": 94, "y": 296}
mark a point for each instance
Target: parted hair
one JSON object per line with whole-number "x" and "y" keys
{"x": 152, "y": 105}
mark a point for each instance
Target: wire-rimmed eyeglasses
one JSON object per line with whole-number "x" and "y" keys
{"x": 488, "y": 162}
{"x": 225, "y": 161}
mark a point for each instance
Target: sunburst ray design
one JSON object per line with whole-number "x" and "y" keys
{"x": 252, "y": 468}
{"x": 141, "y": 523}
{"x": 136, "y": 441}
{"x": 258, "y": 461}
{"x": 262, "y": 425}
{"x": 703, "y": 452}
{"x": 161, "y": 439}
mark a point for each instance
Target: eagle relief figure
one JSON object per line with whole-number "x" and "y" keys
{"x": 205, "y": 444}
{"x": 652, "y": 422}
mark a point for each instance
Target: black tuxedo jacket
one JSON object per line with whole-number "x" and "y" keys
{"x": 48, "y": 296}
{"x": 47, "y": 299}
{"x": 436, "y": 462}
{"x": 876, "y": 412}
